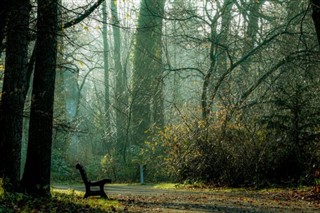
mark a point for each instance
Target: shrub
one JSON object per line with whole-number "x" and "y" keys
{"x": 232, "y": 155}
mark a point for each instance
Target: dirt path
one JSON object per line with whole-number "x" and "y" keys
{"x": 137, "y": 198}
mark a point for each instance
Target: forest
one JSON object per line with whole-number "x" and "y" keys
{"x": 217, "y": 92}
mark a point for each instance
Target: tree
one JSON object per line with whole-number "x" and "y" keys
{"x": 14, "y": 93}
{"x": 36, "y": 177}
{"x": 147, "y": 106}
{"x": 292, "y": 115}
{"x": 106, "y": 70}
{"x": 121, "y": 93}
{"x": 217, "y": 55}
{"x": 316, "y": 16}
{"x": 5, "y": 7}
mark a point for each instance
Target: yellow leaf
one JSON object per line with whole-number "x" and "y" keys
{"x": 81, "y": 63}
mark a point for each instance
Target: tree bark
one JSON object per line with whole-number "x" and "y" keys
{"x": 36, "y": 177}
{"x": 5, "y": 7}
{"x": 14, "y": 93}
{"x": 316, "y": 17}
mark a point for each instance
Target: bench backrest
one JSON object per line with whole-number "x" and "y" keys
{"x": 83, "y": 173}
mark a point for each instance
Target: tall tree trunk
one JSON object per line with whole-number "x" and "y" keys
{"x": 121, "y": 99}
{"x": 106, "y": 74}
{"x": 60, "y": 139}
{"x": 5, "y": 7}
{"x": 252, "y": 25}
{"x": 250, "y": 39}
{"x": 14, "y": 93}
{"x": 147, "y": 70}
{"x": 316, "y": 17}
{"x": 157, "y": 67}
{"x": 36, "y": 177}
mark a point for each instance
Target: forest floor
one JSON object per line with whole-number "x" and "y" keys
{"x": 162, "y": 198}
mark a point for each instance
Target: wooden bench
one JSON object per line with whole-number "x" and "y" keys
{"x": 89, "y": 184}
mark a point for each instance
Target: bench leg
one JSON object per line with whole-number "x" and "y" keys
{"x": 86, "y": 195}
{"x": 100, "y": 193}
{"x": 104, "y": 195}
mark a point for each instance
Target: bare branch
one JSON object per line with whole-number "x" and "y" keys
{"x": 82, "y": 16}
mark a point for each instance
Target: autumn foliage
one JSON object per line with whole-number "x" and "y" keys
{"x": 232, "y": 154}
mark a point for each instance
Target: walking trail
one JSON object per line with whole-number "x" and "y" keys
{"x": 147, "y": 198}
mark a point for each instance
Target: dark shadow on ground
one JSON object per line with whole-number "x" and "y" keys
{"x": 58, "y": 203}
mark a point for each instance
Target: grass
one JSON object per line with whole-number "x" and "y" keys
{"x": 193, "y": 197}
{"x": 165, "y": 186}
{"x": 61, "y": 201}
{"x": 1, "y": 189}
{"x": 76, "y": 197}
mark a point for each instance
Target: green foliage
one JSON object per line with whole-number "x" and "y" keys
{"x": 113, "y": 166}
{"x": 62, "y": 170}
{"x": 1, "y": 188}
{"x": 293, "y": 124}
{"x": 165, "y": 186}
{"x": 148, "y": 154}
